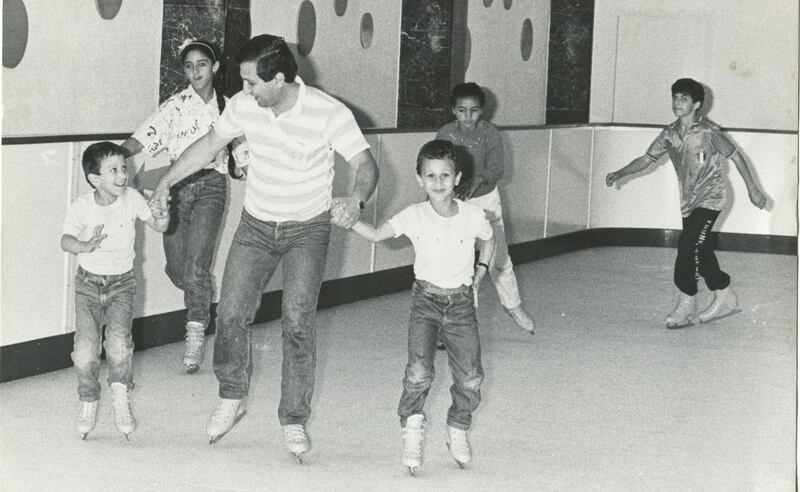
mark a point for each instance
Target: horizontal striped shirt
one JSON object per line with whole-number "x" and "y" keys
{"x": 292, "y": 155}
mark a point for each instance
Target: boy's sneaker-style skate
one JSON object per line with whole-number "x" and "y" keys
{"x": 521, "y": 318}
{"x": 296, "y": 440}
{"x": 122, "y": 409}
{"x": 724, "y": 304}
{"x": 684, "y": 312}
{"x": 193, "y": 353}
{"x": 227, "y": 414}
{"x": 413, "y": 435}
{"x": 458, "y": 445}
{"x": 87, "y": 418}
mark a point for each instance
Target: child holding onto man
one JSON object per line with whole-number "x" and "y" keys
{"x": 443, "y": 231}
{"x": 481, "y": 148}
{"x": 99, "y": 228}
{"x": 697, "y": 149}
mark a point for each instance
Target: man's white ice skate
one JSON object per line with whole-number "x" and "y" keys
{"x": 296, "y": 440}
{"x": 227, "y": 414}
{"x": 725, "y": 304}
{"x": 87, "y": 418}
{"x": 458, "y": 444}
{"x": 684, "y": 313}
{"x": 122, "y": 410}
{"x": 193, "y": 353}
{"x": 413, "y": 436}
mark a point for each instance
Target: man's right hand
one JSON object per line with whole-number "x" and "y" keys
{"x": 160, "y": 196}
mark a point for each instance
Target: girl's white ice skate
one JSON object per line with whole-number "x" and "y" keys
{"x": 459, "y": 446}
{"x": 296, "y": 440}
{"x": 87, "y": 418}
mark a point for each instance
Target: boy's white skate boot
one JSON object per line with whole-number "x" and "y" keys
{"x": 227, "y": 414}
{"x": 87, "y": 418}
{"x": 413, "y": 435}
{"x": 684, "y": 312}
{"x": 521, "y": 318}
{"x": 725, "y": 304}
{"x": 193, "y": 353}
{"x": 296, "y": 440}
{"x": 122, "y": 410}
{"x": 458, "y": 444}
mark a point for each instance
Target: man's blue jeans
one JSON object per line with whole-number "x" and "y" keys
{"x": 103, "y": 300}
{"x": 451, "y": 311}
{"x": 257, "y": 249}
{"x": 197, "y": 207}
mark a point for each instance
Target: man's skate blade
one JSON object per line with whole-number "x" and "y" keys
{"x": 216, "y": 438}
{"x": 678, "y": 326}
{"x": 730, "y": 313}
{"x": 298, "y": 457}
{"x": 83, "y": 437}
{"x": 411, "y": 471}
{"x": 192, "y": 368}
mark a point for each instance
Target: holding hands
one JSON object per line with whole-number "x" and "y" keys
{"x": 345, "y": 211}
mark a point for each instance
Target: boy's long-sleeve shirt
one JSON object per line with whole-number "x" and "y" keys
{"x": 484, "y": 152}
{"x": 697, "y": 157}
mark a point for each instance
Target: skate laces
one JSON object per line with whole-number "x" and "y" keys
{"x": 122, "y": 408}
{"x": 194, "y": 341}
{"x": 412, "y": 441}
{"x": 294, "y": 433}
{"x": 458, "y": 442}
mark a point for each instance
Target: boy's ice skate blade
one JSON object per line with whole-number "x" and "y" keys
{"x": 725, "y": 304}
{"x": 413, "y": 436}
{"x": 193, "y": 352}
{"x": 459, "y": 447}
{"x": 296, "y": 440}
{"x": 684, "y": 313}
{"x": 87, "y": 418}
{"x": 522, "y": 318}
{"x": 126, "y": 423}
{"x": 227, "y": 414}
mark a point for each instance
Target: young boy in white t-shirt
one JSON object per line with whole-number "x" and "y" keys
{"x": 443, "y": 231}
{"x": 100, "y": 230}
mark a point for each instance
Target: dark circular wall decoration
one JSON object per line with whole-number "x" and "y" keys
{"x": 487, "y": 3}
{"x": 306, "y": 28}
{"x": 108, "y": 9}
{"x": 340, "y": 7}
{"x": 467, "y": 48}
{"x": 507, "y": 4}
{"x": 15, "y": 32}
{"x": 366, "y": 30}
{"x": 526, "y": 39}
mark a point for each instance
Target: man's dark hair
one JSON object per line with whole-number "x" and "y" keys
{"x": 271, "y": 55}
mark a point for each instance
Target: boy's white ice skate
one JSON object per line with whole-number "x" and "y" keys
{"x": 413, "y": 435}
{"x": 724, "y": 304}
{"x": 87, "y": 418}
{"x": 193, "y": 353}
{"x": 684, "y": 312}
{"x": 296, "y": 440}
{"x": 522, "y": 318}
{"x": 458, "y": 445}
{"x": 227, "y": 414}
{"x": 122, "y": 410}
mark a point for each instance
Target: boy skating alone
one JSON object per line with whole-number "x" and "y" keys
{"x": 100, "y": 229}
{"x": 443, "y": 231}
{"x": 697, "y": 149}
{"x": 483, "y": 147}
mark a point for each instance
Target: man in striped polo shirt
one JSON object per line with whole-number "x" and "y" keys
{"x": 293, "y": 131}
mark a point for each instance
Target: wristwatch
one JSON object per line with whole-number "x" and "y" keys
{"x": 361, "y": 204}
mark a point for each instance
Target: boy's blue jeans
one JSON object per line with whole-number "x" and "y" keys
{"x": 451, "y": 311}
{"x": 257, "y": 248}
{"x": 197, "y": 207}
{"x": 99, "y": 300}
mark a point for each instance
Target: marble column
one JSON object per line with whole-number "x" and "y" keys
{"x": 226, "y": 23}
{"x": 426, "y": 60}
{"x": 570, "y": 61}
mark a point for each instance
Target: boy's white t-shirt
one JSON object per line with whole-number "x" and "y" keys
{"x": 444, "y": 247}
{"x": 115, "y": 254}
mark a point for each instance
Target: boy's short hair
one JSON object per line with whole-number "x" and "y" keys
{"x": 437, "y": 149}
{"x": 690, "y": 87}
{"x": 271, "y": 54}
{"x": 467, "y": 89}
{"x": 95, "y": 154}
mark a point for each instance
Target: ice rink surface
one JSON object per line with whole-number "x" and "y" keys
{"x": 603, "y": 397}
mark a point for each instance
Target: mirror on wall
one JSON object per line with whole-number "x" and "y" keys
{"x": 15, "y": 32}
{"x": 306, "y": 28}
{"x": 366, "y": 30}
{"x": 108, "y": 9}
{"x": 340, "y": 7}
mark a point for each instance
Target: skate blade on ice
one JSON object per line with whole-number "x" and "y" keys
{"x": 192, "y": 368}
{"x": 298, "y": 457}
{"x": 216, "y": 438}
{"x": 729, "y": 313}
{"x": 677, "y": 326}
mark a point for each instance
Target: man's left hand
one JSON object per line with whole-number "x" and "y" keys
{"x": 345, "y": 211}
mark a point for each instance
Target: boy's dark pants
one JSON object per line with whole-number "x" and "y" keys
{"x": 451, "y": 311}
{"x": 696, "y": 256}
